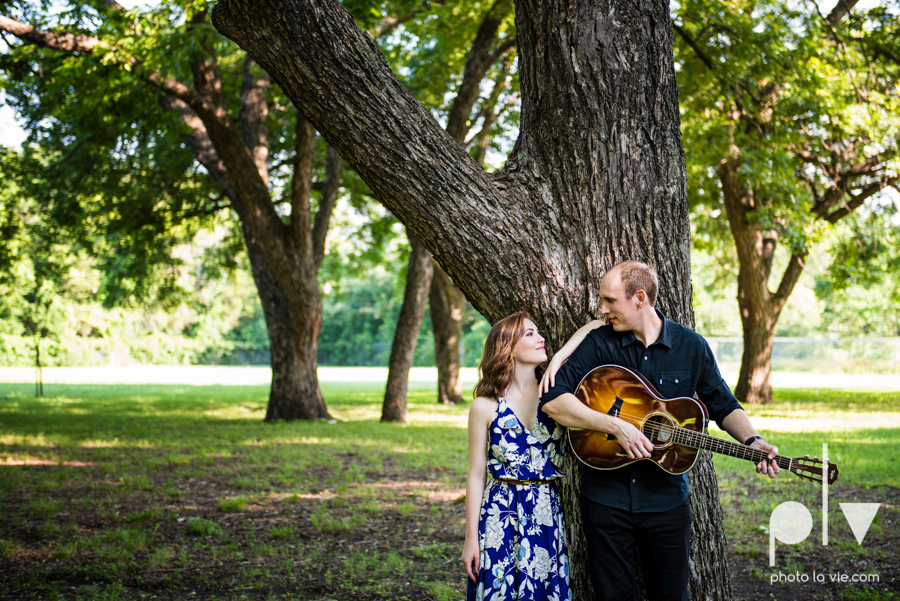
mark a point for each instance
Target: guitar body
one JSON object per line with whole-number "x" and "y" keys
{"x": 626, "y": 394}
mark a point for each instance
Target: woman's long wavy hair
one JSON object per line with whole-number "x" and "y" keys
{"x": 497, "y": 362}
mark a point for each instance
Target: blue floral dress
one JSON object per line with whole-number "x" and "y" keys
{"x": 522, "y": 535}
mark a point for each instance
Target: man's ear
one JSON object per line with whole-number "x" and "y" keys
{"x": 641, "y": 297}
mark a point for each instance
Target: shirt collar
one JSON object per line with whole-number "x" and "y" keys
{"x": 664, "y": 338}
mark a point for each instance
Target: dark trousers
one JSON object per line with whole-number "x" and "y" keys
{"x": 663, "y": 539}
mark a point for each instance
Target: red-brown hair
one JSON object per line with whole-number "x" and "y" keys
{"x": 497, "y": 362}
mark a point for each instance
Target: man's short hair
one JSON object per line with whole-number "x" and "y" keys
{"x": 638, "y": 276}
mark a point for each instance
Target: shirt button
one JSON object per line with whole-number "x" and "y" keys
{"x": 676, "y": 380}
{"x": 634, "y": 480}
{"x": 645, "y": 358}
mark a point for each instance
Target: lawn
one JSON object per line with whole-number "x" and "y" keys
{"x": 181, "y": 492}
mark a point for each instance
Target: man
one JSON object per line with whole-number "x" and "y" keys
{"x": 641, "y": 505}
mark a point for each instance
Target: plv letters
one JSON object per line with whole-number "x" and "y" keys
{"x": 791, "y": 522}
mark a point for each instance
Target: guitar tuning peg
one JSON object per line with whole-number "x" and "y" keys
{"x": 806, "y": 456}
{"x": 816, "y": 458}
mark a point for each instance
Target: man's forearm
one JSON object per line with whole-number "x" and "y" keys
{"x": 568, "y": 411}
{"x": 738, "y": 425}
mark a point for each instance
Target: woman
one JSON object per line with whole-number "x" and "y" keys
{"x": 515, "y": 536}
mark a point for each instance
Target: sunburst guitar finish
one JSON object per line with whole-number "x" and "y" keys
{"x": 676, "y": 427}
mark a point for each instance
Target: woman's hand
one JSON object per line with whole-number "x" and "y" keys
{"x": 471, "y": 558}
{"x": 549, "y": 378}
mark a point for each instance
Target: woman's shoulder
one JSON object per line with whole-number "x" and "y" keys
{"x": 483, "y": 407}
{"x": 483, "y": 402}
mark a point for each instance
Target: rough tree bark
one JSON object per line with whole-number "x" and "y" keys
{"x": 596, "y": 176}
{"x": 234, "y": 150}
{"x": 418, "y": 281}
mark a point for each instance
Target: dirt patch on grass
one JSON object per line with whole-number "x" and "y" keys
{"x": 395, "y": 537}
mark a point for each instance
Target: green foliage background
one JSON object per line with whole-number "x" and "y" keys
{"x": 154, "y": 273}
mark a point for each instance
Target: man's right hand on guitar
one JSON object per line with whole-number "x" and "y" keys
{"x": 632, "y": 440}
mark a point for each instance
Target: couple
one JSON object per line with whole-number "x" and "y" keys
{"x": 515, "y": 544}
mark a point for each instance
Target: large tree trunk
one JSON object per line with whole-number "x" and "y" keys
{"x": 295, "y": 391}
{"x": 418, "y": 281}
{"x": 448, "y": 305}
{"x": 754, "y": 381}
{"x": 596, "y": 176}
{"x": 759, "y": 307}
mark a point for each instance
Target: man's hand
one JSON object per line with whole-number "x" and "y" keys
{"x": 767, "y": 466}
{"x": 633, "y": 441}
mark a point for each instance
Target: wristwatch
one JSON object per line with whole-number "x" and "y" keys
{"x": 750, "y": 440}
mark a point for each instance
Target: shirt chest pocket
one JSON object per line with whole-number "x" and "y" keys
{"x": 674, "y": 384}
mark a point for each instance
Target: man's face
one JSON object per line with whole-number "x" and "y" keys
{"x": 621, "y": 312}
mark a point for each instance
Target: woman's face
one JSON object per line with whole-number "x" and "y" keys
{"x": 530, "y": 348}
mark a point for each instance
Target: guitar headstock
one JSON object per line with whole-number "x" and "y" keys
{"x": 811, "y": 469}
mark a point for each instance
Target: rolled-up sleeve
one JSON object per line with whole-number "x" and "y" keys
{"x": 712, "y": 389}
{"x": 582, "y": 360}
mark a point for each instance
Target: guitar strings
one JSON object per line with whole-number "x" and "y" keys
{"x": 696, "y": 439}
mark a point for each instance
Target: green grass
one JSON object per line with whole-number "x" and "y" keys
{"x": 108, "y": 492}
{"x": 185, "y": 488}
{"x": 866, "y": 453}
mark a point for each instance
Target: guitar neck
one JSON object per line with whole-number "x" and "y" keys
{"x": 698, "y": 440}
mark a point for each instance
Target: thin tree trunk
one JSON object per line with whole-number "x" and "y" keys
{"x": 418, "y": 281}
{"x": 299, "y": 395}
{"x": 448, "y": 305}
{"x": 596, "y": 176}
{"x": 38, "y": 369}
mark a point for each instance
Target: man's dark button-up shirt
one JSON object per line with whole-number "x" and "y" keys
{"x": 679, "y": 364}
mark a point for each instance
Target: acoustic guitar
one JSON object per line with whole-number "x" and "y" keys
{"x": 676, "y": 427}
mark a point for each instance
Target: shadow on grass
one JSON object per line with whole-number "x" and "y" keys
{"x": 119, "y": 428}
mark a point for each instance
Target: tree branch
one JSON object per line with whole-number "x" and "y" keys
{"x": 683, "y": 34}
{"x": 254, "y": 117}
{"x": 886, "y": 53}
{"x": 789, "y": 280}
{"x": 200, "y": 144}
{"x": 840, "y": 10}
{"x": 204, "y": 65}
{"x": 413, "y": 166}
{"x": 502, "y": 49}
{"x": 327, "y": 201}
{"x": 68, "y": 42}
{"x": 301, "y": 214}
{"x": 479, "y": 61}
{"x": 389, "y": 24}
{"x": 64, "y": 42}
{"x": 857, "y": 200}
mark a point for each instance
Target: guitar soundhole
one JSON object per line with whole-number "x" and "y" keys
{"x": 659, "y": 429}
